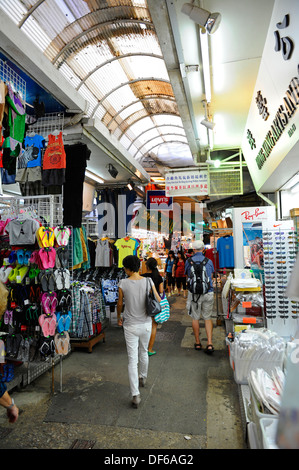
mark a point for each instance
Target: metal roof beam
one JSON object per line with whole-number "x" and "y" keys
{"x": 129, "y": 82}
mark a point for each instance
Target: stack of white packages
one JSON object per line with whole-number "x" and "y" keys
{"x": 268, "y": 388}
{"x": 254, "y": 349}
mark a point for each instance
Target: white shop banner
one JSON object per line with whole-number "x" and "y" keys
{"x": 186, "y": 183}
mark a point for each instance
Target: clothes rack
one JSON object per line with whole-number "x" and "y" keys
{"x": 219, "y": 232}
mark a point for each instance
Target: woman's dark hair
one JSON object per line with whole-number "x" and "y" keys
{"x": 151, "y": 263}
{"x": 132, "y": 263}
{"x": 171, "y": 252}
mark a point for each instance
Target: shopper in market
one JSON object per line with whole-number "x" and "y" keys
{"x": 152, "y": 272}
{"x": 168, "y": 272}
{"x": 178, "y": 272}
{"x": 204, "y": 306}
{"x": 136, "y": 323}
{"x": 5, "y": 399}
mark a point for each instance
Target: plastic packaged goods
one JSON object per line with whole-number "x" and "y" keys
{"x": 256, "y": 349}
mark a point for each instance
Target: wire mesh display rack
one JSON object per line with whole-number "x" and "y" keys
{"x": 49, "y": 211}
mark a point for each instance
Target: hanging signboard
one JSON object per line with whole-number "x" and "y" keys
{"x": 158, "y": 201}
{"x": 270, "y": 141}
{"x": 186, "y": 183}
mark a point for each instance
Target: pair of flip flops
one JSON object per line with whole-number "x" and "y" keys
{"x": 8, "y": 317}
{"x": 12, "y": 345}
{"x": 47, "y": 280}
{"x": 47, "y": 258}
{"x": 62, "y": 235}
{"x": 47, "y": 347}
{"x": 45, "y": 237}
{"x": 63, "y": 321}
{"x": 4, "y": 273}
{"x": 18, "y": 274}
{"x": 62, "y": 257}
{"x": 62, "y": 278}
{"x": 47, "y": 324}
{"x": 62, "y": 343}
{"x": 23, "y": 256}
{"x": 49, "y": 303}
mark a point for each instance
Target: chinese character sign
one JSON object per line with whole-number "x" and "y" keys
{"x": 187, "y": 183}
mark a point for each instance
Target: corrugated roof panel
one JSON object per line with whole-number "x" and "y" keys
{"x": 84, "y": 91}
{"x": 101, "y": 84}
{"x": 175, "y": 120}
{"x": 80, "y": 37}
{"x": 146, "y": 136}
{"x": 160, "y": 106}
{"x": 151, "y": 87}
{"x": 70, "y": 75}
{"x": 123, "y": 96}
{"x": 14, "y": 9}
{"x": 139, "y": 66}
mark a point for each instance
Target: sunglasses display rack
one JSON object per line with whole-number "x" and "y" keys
{"x": 280, "y": 251}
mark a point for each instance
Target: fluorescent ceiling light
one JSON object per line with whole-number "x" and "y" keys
{"x": 291, "y": 183}
{"x": 295, "y": 188}
{"x": 94, "y": 177}
{"x": 206, "y": 65}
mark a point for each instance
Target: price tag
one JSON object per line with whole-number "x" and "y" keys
{"x": 246, "y": 304}
{"x": 249, "y": 320}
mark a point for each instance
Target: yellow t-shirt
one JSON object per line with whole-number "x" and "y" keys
{"x": 125, "y": 248}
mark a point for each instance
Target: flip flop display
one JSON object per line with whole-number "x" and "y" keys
{"x": 39, "y": 306}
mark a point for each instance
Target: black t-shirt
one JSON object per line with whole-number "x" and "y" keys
{"x": 157, "y": 280}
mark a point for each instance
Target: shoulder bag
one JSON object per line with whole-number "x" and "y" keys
{"x": 151, "y": 304}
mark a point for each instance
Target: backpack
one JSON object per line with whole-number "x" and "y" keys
{"x": 198, "y": 279}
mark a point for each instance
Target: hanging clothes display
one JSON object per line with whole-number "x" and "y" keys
{"x": 225, "y": 248}
{"x": 126, "y": 246}
{"x": 76, "y": 162}
{"x": 114, "y": 222}
{"x": 54, "y": 162}
{"x": 13, "y": 130}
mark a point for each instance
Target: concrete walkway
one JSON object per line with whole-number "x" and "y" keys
{"x": 190, "y": 400}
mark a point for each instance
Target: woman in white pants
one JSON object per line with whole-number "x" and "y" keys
{"x": 136, "y": 323}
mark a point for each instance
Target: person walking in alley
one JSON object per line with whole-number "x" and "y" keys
{"x": 168, "y": 272}
{"x": 136, "y": 323}
{"x": 152, "y": 272}
{"x": 201, "y": 306}
{"x": 178, "y": 272}
{"x": 5, "y": 399}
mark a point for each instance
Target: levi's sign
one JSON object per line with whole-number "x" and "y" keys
{"x": 157, "y": 200}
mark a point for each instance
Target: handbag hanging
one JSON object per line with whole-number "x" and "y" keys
{"x": 164, "y": 315}
{"x": 151, "y": 304}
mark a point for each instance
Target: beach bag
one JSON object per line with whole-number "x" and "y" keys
{"x": 165, "y": 310}
{"x": 151, "y": 304}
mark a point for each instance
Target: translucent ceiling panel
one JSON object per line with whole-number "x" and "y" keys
{"x": 146, "y": 66}
{"x": 142, "y": 126}
{"x": 14, "y": 9}
{"x": 105, "y": 80}
{"x": 91, "y": 57}
{"x": 168, "y": 119}
{"x": 147, "y": 135}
